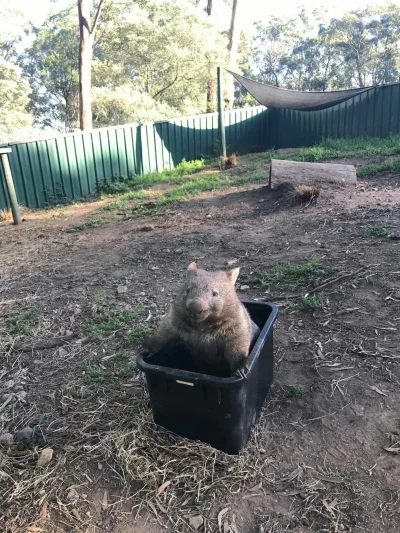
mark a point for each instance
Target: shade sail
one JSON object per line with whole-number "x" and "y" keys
{"x": 271, "y": 96}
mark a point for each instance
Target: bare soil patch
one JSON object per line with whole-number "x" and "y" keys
{"x": 325, "y": 454}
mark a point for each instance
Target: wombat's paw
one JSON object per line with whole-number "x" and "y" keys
{"x": 242, "y": 371}
{"x": 148, "y": 346}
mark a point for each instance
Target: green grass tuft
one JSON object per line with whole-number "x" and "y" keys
{"x": 92, "y": 374}
{"x": 376, "y": 231}
{"x": 126, "y": 370}
{"x": 92, "y": 223}
{"x": 138, "y": 334}
{"x": 297, "y": 391}
{"x": 307, "y": 303}
{"x": 24, "y": 323}
{"x": 293, "y": 275}
{"x": 107, "y": 320}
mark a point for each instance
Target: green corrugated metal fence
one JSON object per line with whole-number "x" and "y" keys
{"x": 375, "y": 113}
{"x": 75, "y": 165}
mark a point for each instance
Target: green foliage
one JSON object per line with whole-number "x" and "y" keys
{"x": 125, "y": 105}
{"x": 51, "y": 66}
{"x": 316, "y": 54}
{"x": 24, "y": 323}
{"x": 376, "y": 231}
{"x": 293, "y": 275}
{"x": 151, "y": 60}
{"x": 14, "y": 98}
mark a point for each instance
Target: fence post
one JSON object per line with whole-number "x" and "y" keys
{"x": 221, "y": 121}
{"x": 10, "y": 185}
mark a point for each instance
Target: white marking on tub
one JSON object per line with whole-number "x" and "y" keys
{"x": 185, "y": 383}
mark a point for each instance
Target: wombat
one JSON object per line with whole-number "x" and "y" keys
{"x": 208, "y": 318}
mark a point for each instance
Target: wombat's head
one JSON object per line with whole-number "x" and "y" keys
{"x": 206, "y": 294}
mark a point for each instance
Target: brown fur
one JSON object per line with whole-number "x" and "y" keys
{"x": 228, "y": 162}
{"x": 220, "y": 333}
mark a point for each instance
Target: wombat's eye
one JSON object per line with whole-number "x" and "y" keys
{"x": 215, "y": 293}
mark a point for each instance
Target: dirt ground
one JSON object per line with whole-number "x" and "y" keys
{"x": 325, "y": 454}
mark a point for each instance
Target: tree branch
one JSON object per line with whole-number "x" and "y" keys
{"x": 96, "y": 18}
{"x": 169, "y": 85}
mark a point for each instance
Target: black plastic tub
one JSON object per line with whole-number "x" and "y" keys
{"x": 218, "y": 411}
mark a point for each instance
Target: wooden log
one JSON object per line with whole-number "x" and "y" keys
{"x": 295, "y": 171}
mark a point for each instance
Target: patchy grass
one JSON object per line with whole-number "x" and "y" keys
{"x": 251, "y": 167}
{"x": 376, "y": 231}
{"x": 375, "y": 168}
{"x": 149, "y": 200}
{"x": 189, "y": 189}
{"x": 107, "y": 320}
{"x": 138, "y": 334}
{"x": 297, "y": 390}
{"x": 126, "y": 370}
{"x": 92, "y": 374}
{"x": 23, "y": 323}
{"x": 359, "y": 147}
{"x": 92, "y": 223}
{"x": 307, "y": 303}
{"x": 335, "y": 148}
{"x": 293, "y": 275}
{"x": 174, "y": 176}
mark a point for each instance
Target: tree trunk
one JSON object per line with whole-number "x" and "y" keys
{"x": 211, "y": 96}
{"x": 211, "y": 85}
{"x": 359, "y": 71}
{"x": 233, "y": 46}
{"x": 86, "y": 35}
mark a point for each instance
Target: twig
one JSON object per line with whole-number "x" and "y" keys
{"x": 6, "y": 403}
{"x": 319, "y": 287}
{"x": 43, "y": 345}
{"x": 343, "y": 276}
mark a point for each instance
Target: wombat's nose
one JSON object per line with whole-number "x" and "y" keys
{"x": 195, "y": 307}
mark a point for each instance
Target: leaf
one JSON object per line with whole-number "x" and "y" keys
{"x": 377, "y": 390}
{"x": 221, "y": 514}
{"x": 329, "y": 479}
{"x": 256, "y": 487}
{"x": 104, "y": 503}
{"x": 122, "y": 289}
{"x": 43, "y": 512}
{"x": 163, "y": 487}
{"x": 196, "y": 522}
{"x": 392, "y": 450}
{"x": 45, "y": 457}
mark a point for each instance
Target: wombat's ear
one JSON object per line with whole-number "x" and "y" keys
{"x": 233, "y": 274}
{"x": 192, "y": 266}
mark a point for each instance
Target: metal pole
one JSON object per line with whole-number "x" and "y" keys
{"x": 11, "y": 189}
{"x": 221, "y": 122}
